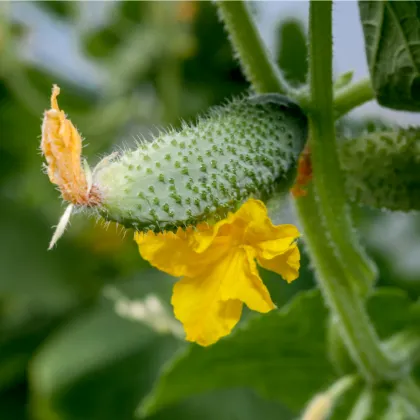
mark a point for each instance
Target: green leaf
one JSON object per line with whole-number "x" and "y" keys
{"x": 392, "y": 43}
{"x": 343, "y": 80}
{"x": 390, "y": 310}
{"x": 233, "y": 404}
{"x": 281, "y": 355}
{"x": 290, "y": 370}
{"x": 13, "y": 403}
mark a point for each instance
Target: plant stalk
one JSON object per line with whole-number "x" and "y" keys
{"x": 322, "y": 225}
{"x": 345, "y": 99}
{"x": 328, "y": 179}
{"x": 354, "y": 325}
{"x": 340, "y": 261}
{"x": 352, "y": 96}
{"x": 257, "y": 65}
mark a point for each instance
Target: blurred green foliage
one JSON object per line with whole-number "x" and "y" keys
{"x": 292, "y": 51}
{"x": 64, "y": 352}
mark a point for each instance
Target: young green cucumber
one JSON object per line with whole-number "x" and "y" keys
{"x": 247, "y": 148}
{"x": 382, "y": 169}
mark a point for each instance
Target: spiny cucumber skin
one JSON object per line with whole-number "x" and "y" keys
{"x": 382, "y": 169}
{"x": 202, "y": 172}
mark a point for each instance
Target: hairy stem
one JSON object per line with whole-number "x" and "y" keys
{"x": 256, "y": 63}
{"x": 328, "y": 179}
{"x": 339, "y": 260}
{"x": 345, "y": 99}
{"x": 354, "y": 325}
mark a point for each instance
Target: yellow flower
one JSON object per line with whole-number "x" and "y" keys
{"x": 218, "y": 268}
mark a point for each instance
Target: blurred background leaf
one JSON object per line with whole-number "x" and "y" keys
{"x": 293, "y": 51}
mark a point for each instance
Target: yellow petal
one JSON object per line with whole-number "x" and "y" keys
{"x": 172, "y": 253}
{"x": 234, "y": 226}
{"x": 197, "y": 305}
{"x": 259, "y": 227}
{"x": 268, "y": 240}
{"x": 249, "y": 225}
{"x": 287, "y": 264}
{"x": 272, "y": 248}
{"x": 202, "y": 238}
{"x": 240, "y": 280}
